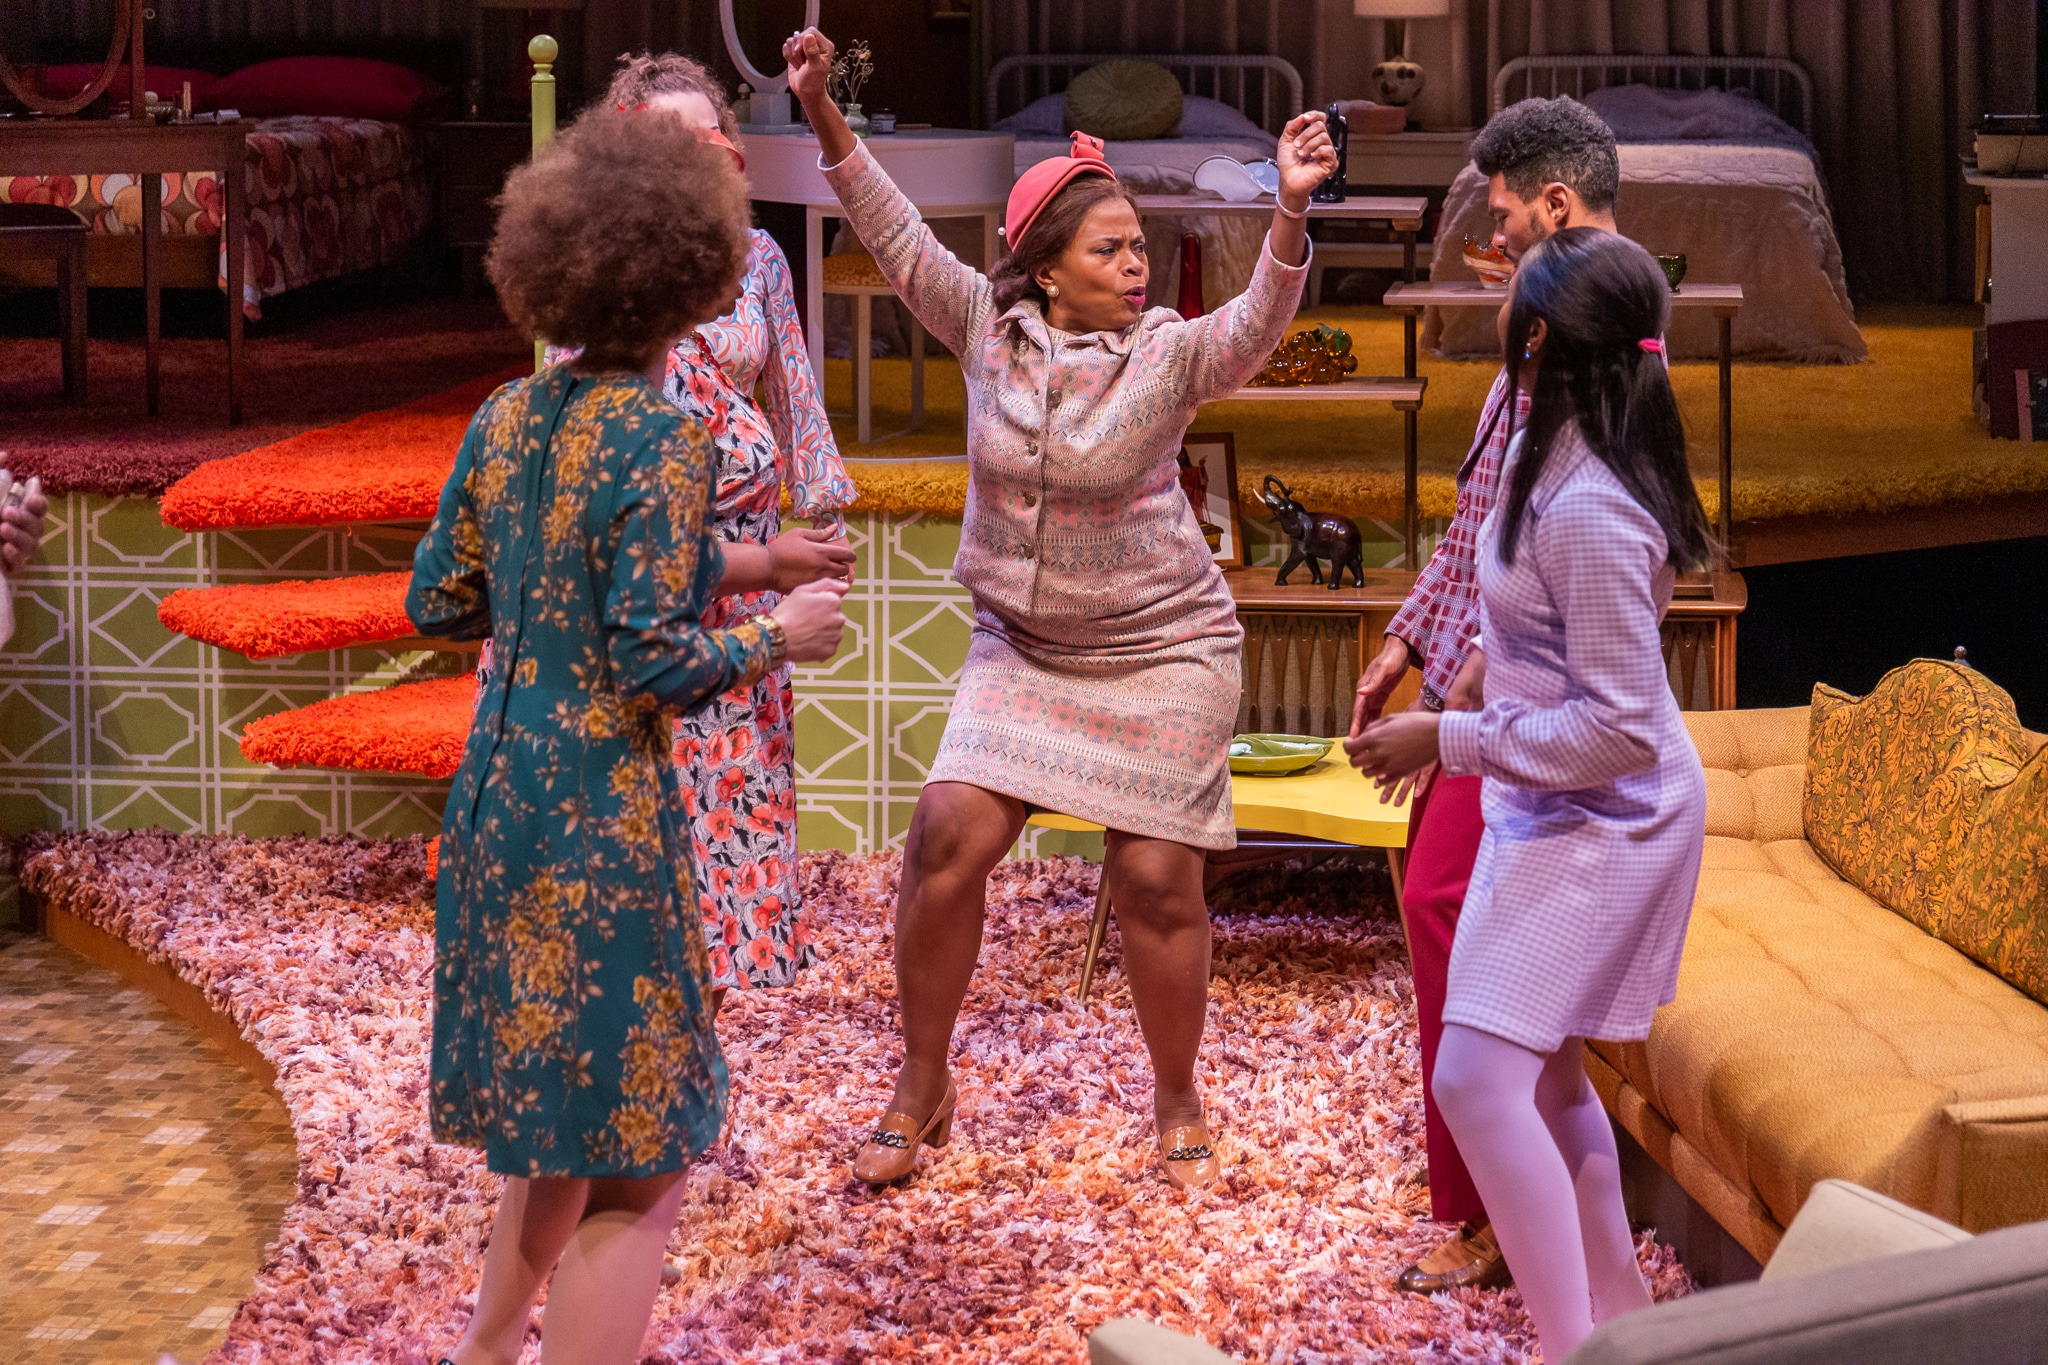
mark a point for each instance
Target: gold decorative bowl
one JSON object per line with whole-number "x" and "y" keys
{"x": 1276, "y": 755}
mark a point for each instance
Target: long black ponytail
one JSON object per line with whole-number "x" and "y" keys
{"x": 1600, "y": 296}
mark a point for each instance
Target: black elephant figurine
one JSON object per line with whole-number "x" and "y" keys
{"x": 1316, "y": 535}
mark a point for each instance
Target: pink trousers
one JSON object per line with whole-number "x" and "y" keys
{"x": 1443, "y": 843}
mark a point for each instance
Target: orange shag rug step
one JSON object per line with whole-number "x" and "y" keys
{"x": 416, "y": 728}
{"x": 382, "y": 466}
{"x": 270, "y": 620}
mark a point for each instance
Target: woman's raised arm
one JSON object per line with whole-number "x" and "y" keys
{"x": 951, "y": 298}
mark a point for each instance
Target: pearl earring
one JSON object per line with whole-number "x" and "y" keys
{"x": 1052, "y": 291}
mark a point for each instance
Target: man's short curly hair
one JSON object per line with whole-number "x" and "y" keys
{"x": 620, "y": 236}
{"x": 643, "y": 75}
{"x": 1536, "y": 142}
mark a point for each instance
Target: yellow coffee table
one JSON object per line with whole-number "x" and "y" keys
{"x": 1331, "y": 801}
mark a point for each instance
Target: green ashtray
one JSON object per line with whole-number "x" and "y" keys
{"x": 1276, "y": 755}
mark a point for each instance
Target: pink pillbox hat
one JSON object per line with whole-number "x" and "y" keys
{"x": 1036, "y": 187}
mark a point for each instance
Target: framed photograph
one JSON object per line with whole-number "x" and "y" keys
{"x": 1208, "y": 475}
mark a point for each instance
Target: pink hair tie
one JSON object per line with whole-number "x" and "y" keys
{"x": 1652, "y": 344}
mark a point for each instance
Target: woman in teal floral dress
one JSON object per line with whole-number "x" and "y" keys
{"x": 572, "y": 1034}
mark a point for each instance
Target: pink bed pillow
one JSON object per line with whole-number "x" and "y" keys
{"x": 62, "y": 82}
{"x": 346, "y": 87}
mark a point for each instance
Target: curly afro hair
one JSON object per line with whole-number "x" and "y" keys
{"x": 1538, "y": 142}
{"x": 620, "y": 236}
{"x": 643, "y": 76}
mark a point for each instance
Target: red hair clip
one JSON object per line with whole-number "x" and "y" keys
{"x": 1652, "y": 344}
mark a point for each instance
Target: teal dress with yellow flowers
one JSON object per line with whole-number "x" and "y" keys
{"x": 572, "y": 1034}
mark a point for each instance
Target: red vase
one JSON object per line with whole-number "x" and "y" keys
{"x": 1190, "y": 276}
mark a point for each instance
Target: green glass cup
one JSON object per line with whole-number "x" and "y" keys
{"x": 1674, "y": 268}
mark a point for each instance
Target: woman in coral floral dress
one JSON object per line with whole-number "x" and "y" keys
{"x": 736, "y": 756}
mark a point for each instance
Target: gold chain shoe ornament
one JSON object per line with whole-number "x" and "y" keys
{"x": 890, "y": 1153}
{"x": 1189, "y": 1157}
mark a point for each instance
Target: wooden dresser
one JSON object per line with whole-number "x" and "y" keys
{"x": 1304, "y": 645}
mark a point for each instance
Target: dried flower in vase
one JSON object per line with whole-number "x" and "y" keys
{"x": 856, "y": 63}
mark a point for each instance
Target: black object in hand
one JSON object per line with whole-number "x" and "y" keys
{"x": 1332, "y": 190}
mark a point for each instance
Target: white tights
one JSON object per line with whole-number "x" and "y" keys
{"x": 603, "y": 1239}
{"x": 1536, "y": 1140}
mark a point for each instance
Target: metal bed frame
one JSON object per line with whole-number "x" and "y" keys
{"x": 1790, "y": 89}
{"x": 1233, "y": 80}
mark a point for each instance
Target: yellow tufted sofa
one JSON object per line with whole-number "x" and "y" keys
{"x": 1818, "y": 1031}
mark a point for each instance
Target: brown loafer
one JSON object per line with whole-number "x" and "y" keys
{"x": 890, "y": 1153}
{"x": 1470, "y": 1259}
{"x": 1189, "y": 1157}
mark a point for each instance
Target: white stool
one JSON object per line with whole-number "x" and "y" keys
{"x": 855, "y": 275}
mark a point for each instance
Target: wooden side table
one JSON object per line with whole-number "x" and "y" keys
{"x": 31, "y": 229}
{"x": 1319, "y": 640}
{"x": 70, "y": 146}
{"x": 476, "y": 156}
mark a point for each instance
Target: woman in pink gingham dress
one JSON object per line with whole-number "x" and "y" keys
{"x": 1102, "y": 680}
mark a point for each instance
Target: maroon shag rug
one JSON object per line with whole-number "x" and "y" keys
{"x": 348, "y": 348}
{"x": 1045, "y": 1217}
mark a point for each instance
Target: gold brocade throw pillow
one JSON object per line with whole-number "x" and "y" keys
{"x": 1124, "y": 101}
{"x": 1998, "y": 911}
{"x": 1897, "y": 781}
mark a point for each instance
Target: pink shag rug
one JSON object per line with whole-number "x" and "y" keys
{"x": 1045, "y": 1217}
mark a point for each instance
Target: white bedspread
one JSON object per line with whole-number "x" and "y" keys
{"x": 1230, "y": 243}
{"x": 1755, "y": 216}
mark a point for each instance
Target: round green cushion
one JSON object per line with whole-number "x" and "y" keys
{"x": 1124, "y": 101}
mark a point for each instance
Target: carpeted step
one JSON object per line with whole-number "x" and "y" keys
{"x": 382, "y": 466}
{"x": 270, "y": 620}
{"x": 415, "y": 728}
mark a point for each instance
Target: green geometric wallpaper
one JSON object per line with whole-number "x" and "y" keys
{"x": 110, "y": 721}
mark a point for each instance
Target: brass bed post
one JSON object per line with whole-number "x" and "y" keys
{"x": 542, "y": 51}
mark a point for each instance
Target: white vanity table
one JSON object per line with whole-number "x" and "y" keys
{"x": 946, "y": 172}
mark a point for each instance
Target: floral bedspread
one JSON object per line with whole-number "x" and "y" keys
{"x": 327, "y": 196}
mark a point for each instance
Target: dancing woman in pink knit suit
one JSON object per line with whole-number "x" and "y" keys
{"x": 1594, "y": 799}
{"x": 1102, "y": 680}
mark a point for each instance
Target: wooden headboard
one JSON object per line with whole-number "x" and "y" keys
{"x": 1266, "y": 90}
{"x": 1782, "y": 84}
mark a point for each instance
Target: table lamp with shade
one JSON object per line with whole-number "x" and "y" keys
{"x": 1398, "y": 79}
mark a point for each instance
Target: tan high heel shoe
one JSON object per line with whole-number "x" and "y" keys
{"x": 891, "y": 1152}
{"x": 1189, "y": 1157}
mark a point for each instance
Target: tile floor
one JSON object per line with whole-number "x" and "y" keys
{"x": 142, "y": 1172}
